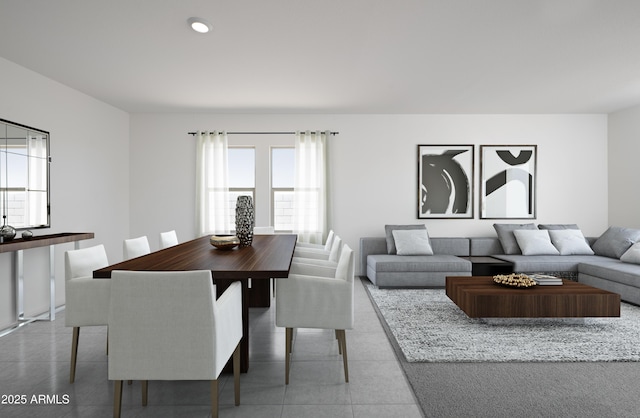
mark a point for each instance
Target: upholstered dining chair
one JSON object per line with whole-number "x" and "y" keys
{"x": 170, "y": 326}
{"x": 332, "y": 254}
{"x": 168, "y": 239}
{"x": 135, "y": 247}
{"x": 322, "y": 301}
{"x": 326, "y": 246}
{"x": 263, "y": 230}
{"x": 86, "y": 298}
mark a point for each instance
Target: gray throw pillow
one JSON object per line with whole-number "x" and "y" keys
{"x": 615, "y": 241}
{"x": 506, "y": 237}
{"x": 558, "y": 226}
{"x": 388, "y": 229}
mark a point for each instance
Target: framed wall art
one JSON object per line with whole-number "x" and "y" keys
{"x": 445, "y": 181}
{"x": 508, "y": 181}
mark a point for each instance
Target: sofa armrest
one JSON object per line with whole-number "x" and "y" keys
{"x": 370, "y": 245}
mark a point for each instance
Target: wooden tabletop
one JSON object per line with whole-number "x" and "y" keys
{"x": 268, "y": 257}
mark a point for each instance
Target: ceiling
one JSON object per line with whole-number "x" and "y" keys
{"x": 335, "y": 56}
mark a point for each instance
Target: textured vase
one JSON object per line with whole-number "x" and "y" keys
{"x": 245, "y": 220}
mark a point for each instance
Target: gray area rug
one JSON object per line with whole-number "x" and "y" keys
{"x": 428, "y": 327}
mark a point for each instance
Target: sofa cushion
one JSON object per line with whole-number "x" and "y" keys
{"x": 535, "y": 242}
{"x": 388, "y": 230}
{"x": 547, "y": 263}
{"x": 417, "y": 263}
{"x": 612, "y": 270}
{"x": 553, "y": 227}
{"x": 615, "y": 241}
{"x": 570, "y": 242}
{"x": 506, "y": 237}
{"x": 412, "y": 242}
{"x": 632, "y": 255}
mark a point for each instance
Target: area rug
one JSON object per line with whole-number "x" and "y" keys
{"x": 428, "y": 327}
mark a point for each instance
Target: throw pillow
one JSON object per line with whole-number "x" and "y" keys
{"x": 388, "y": 229}
{"x": 632, "y": 255}
{"x": 535, "y": 242}
{"x": 506, "y": 237}
{"x": 570, "y": 242}
{"x": 558, "y": 226}
{"x": 412, "y": 242}
{"x": 615, "y": 241}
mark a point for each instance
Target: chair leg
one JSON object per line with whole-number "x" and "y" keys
{"x": 339, "y": 345}
{"x": 74, "y": 354}
{"x": 236, "y": 374}
{"x": 342, "y": 342}
{"x": 288, "y": 346}
{"x": 117, "y": 399}
{"x": 107, "y": 340}
{"x": 214, "y": 398}
{"x": 145, "y": 392}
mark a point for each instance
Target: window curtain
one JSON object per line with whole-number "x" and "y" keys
{"x": 310, "y": 192}
{"x": 212, "y": 183}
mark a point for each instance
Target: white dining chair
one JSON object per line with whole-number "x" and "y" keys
{"x": 263, "y": 230}
{"x": 332, "y": 254}
{"x": 326, "y": 246}
{"x": 86, "y": 298}
{"x": 135, "y": 247}
{"x": 321, "y": 301}
{"x": 169, "y": 326}
{"x": 168, "y": 239}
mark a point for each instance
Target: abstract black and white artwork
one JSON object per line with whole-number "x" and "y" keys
{"x": 445, "y": 181}
{"x": 508, "y": 181}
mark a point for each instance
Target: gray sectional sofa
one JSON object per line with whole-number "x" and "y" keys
{"x": 604, "y": 269}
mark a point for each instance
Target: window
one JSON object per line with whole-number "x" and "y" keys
{"x": 282, "y": 182}
{"x": 242, "y": 178}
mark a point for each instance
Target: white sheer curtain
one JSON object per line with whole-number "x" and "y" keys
{"x": 310, "y": 193}
{"x": 212, "y": 183}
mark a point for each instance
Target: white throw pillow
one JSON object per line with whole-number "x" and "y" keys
{"x": 632, "y": 255}
{"x": 535, "y": 242}
{"x": 570, "y": 242}
{"x": 412, "y": 242}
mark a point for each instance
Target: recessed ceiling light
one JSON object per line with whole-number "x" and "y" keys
{"x": 199, "y": 25}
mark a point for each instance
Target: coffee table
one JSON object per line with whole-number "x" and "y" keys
{"x": 480, "y": 297}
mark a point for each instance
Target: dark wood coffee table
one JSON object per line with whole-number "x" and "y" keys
{"x": 480, "y": 297}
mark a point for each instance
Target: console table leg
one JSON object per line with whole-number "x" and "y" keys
{"x": 18, "y": 265}
{"x": 52, "y": 281}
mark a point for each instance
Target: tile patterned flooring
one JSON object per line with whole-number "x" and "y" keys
{"x": 34, "y": 360}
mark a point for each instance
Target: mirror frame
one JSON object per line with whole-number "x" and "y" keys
{"x": 48, "y": 172}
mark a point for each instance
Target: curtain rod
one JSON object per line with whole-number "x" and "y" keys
{"x": 262, "y": 133}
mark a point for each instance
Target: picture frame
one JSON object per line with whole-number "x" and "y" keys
{"x": 445, "y": 181}
{"x": 508, "y": 181}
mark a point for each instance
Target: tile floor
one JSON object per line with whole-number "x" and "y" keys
{"x": 34, "y": 360}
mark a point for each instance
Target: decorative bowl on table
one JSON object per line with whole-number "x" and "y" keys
{"x": 519, "y": 281}
{"x": 224, "y": 242}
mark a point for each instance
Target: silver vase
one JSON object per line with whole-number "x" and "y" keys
{"x": 245, "y": 220}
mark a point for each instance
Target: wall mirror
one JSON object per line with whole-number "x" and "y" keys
{"x": 24, "y": 176}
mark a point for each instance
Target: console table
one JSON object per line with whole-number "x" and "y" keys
{"x": 17, "y": 246}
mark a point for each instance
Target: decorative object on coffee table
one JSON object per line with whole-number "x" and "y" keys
{"x": 224, "y": 242}
{"x": 245, "y": 220}
{"x": 520, "y": 281}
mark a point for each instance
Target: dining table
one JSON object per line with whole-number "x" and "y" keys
{"x": 268, "y": 257}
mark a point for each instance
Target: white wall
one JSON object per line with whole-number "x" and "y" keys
{"x": 624, "y": 180}
{"x": 374, "y": 167}
{"x": 89, "y": 177}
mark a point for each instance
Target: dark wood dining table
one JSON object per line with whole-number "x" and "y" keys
{"x": 268, "y": 257}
